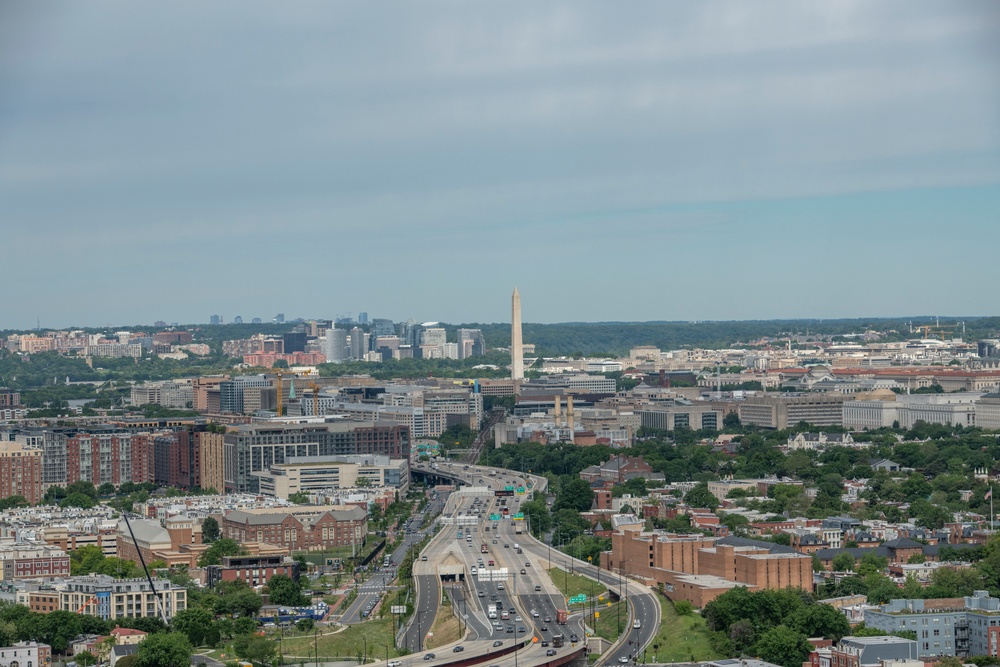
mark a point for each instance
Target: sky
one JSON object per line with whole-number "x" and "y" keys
{"x": 647, "y": 161}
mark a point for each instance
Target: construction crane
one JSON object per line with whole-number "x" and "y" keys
{"x": 86, "y": 604}
{"x": 280, "y": 376}
{"x": 315, "y": 388}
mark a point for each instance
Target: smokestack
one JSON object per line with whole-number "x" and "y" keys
{"x": 569, "y": 416}
{"x": 557, "y": 412}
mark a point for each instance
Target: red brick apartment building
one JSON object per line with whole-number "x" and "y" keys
{"x": 303, "y": 528}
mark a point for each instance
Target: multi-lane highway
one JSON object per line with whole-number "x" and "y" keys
{"x": 645, "y": 606}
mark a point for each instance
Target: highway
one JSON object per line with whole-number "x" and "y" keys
{"x": 645, "y": 606}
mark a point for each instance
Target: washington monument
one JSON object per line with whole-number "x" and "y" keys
{"x": 516, "y": 353}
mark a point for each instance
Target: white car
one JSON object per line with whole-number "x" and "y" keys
{"x": 623, "y": 660}
{"x": 637, "y": 624}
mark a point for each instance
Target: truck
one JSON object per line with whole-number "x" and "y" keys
{"x": 483, "y": 549}
{"x": 491, "y": 611}
{"x": 562, "y": 616}
{"x": 517, "y": 527}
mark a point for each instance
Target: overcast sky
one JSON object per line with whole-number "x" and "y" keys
{"x": 636, "y": 161}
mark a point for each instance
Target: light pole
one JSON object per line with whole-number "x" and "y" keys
{"x": 316, "y": 644}
{"x": 366, "y": 650}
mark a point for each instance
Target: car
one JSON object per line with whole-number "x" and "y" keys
{"x": 534, "y": 614}
{"x": 527, "y": 563}
{"x": 637, "y": 624}
{"x": 548, "y": 619}
{"x": 518, "y": 619}
{"x": 574, "y": 638}
{"x": 458, "y": 649}
{"x": 538, "y": 588}
{"x": 423, "y": 558}
{"x": 498, "y": 626}
{"x": 506, "y": 546}
{"x": 521, "y": 629}
{"x": 544, "y": 628}
{"x": 499, "y": 587}
{"x": 429, "y": 656}
{"x": 523, "y": 571}
{"x": 551, "y": 651}
{"x": 545, "y": 643}
{"x": 510, "y": 628}
{"x": 395, "y": 663}
{"x": 482, "y": 594}
{"x": 494, "y": 541}
{"x": 497, "y": 643}
{"x": 623, "y": 660}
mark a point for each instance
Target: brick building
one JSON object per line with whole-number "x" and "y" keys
{"x": 303, "y": 528}
{"x": 28, "y": 561}
{"x": 25, "y": 654}
{"x": 699, "y": 569}
{"x": 20, "y": 472}
{"x": 252, "y": 570}
{"x": 211, "y": 457}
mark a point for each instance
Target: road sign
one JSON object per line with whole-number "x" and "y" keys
{"x": 508, "y": 488}
{"x": 520, "y": 490}
{"x": 397, "y": 609}
{"x": 597, "y": 614}
{"x": 518, "y": 517}
{"x": 495, "y": 517}
{"x": 582, "y": 597}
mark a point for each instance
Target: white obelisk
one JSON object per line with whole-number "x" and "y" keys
{"x": 516, "y": 353}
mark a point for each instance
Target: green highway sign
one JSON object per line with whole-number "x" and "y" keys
{"x": 520, "y": 490}
{"x": 518, "y": 517}
{"x": 508, "y": 488}
{"x": 576, "y": 599}
{"x": 494, "y": 517}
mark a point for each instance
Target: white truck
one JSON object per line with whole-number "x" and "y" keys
{"x": 491, "y": 611}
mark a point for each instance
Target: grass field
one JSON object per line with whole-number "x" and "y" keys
{"x": 574, "y": 584}
{"x": 446, "y": 628}
{"x": 349, "y": 643}
{"x": 681, "y": 638}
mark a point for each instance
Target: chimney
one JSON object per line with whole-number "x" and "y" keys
{"x": 558, "y": 410}
{"x": 569, "y": 416}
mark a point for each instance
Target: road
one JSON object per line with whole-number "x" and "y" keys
{"x": 374, "y": 587}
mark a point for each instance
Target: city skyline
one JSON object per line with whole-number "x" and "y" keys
{"x": 676, "y": 162}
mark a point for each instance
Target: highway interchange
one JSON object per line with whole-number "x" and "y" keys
{"x": 516, "y": 582}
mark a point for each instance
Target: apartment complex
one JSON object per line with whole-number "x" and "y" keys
{"x": 29, "y": 561}
{"x": 108, "y": 598}
{"x": 951, "y": 626}
{"x": 301, "y": 528}
{"x": 20, "y": 472}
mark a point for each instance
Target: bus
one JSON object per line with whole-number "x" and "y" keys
{"x": 557, "y": 641}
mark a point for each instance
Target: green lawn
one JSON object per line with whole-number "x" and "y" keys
{"x": 574, "y": 584}
{"x": 348, "y": 643}
{"x": 681, "y": 638}
{"x": 608, "y": 624}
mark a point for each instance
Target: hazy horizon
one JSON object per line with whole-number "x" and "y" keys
{"x": 671, "y": 162}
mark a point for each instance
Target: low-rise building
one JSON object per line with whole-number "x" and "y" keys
{"x": 780, "y": 411}
{"x": 25, "y": 654}
{"x": 108, "y": 598}
{"x": 699, "y": 569}
{"x": 325, "y": 473}
{"x": 949, "y": 626}
{"x": 300, "y": 528}
{"x": 32, "y": 561}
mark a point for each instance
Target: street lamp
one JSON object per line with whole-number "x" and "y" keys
{"x": 316, "y": 645}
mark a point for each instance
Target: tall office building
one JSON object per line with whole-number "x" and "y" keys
{"x": 382, "y": 327}
{"x": 362, "y": 317}
{"x": 336, "y": 346}
{"x": 359, "y": 343}
{"x": 471, "y": 343}
{"x": 215, "y": 319}
{"x": 516, "y": 351}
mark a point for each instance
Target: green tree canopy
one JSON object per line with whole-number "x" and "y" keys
{"x": 165, "y": 649}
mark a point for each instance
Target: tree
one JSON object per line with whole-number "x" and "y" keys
{"x": 299, "y": 498}
{"x": 210, "y": 530}
{"x": 916, "y": 559}
{"x": 843, "y": 562}
{"x": 700, "y": 496}
{"x": 106, "y": 489}
{"x": 255, "y": 649}
{"x": 10, "y": 502}
{"x": 285, "y": 591}
{"x": 222, "y": 547}
{"x": 165, "y": 649}
{"x": 784, "y": 646}
{"x": 304, "y": 625}
{"x": 575, "y": 494}
{"x": 80, "y": 500}
{"x": 821, "y": 620}
{"x": 683, "y": 608}
{"x": 85, "y": 658}
{"x": 194, "y": 622}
